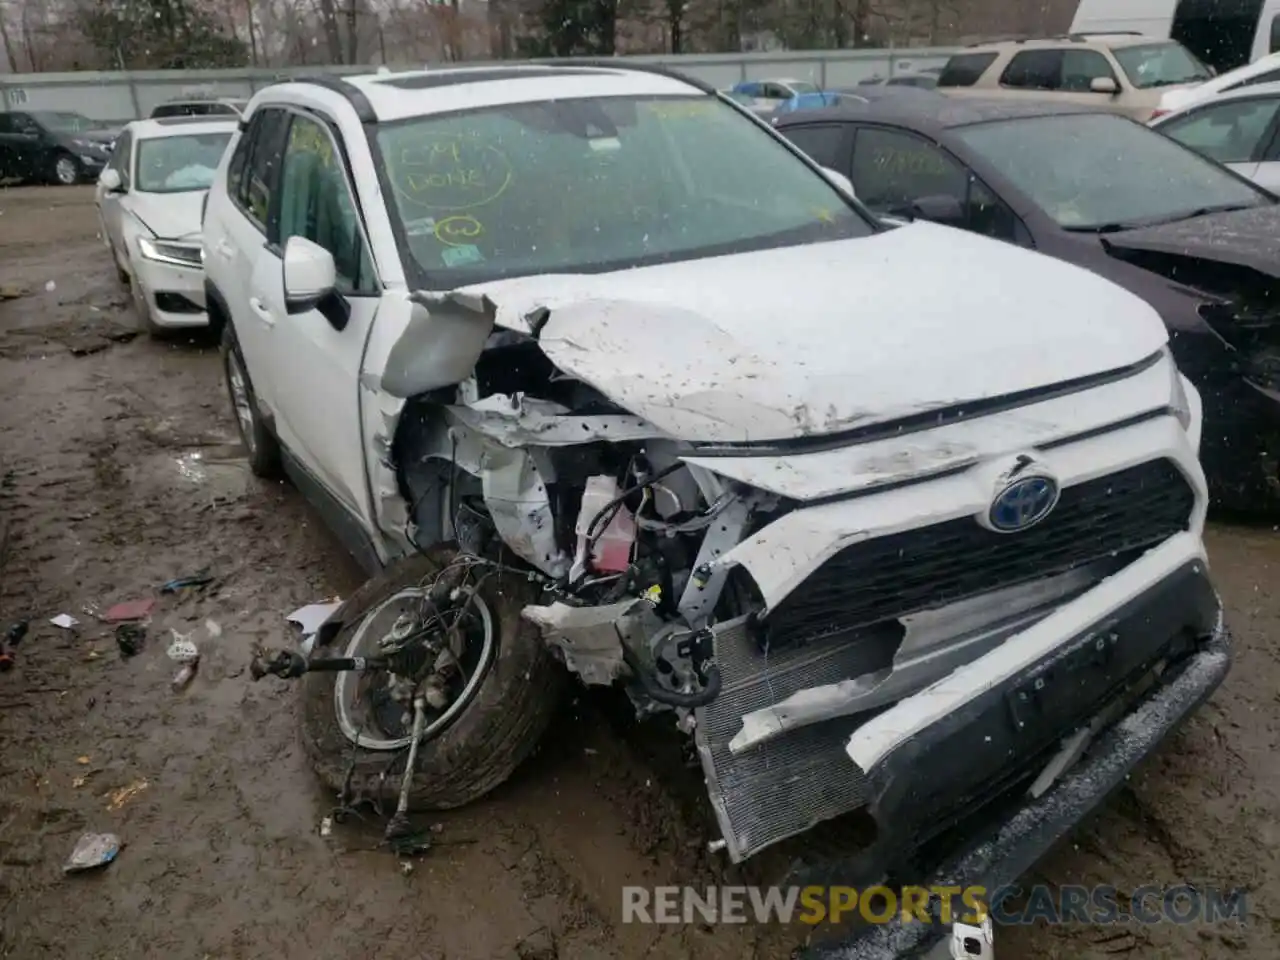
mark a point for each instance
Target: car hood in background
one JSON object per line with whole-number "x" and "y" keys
{"x": 170, "y": 216}
{"x": 1248, "y": 238}
{"x": 822, "y": 338}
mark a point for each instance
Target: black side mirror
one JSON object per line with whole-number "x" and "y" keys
{"x": 938, "y": 208}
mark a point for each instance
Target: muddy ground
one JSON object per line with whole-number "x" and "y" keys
{"x": 119, "y": 471}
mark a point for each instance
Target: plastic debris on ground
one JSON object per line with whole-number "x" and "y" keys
{"x": 65, "y": 621}
{"x": 122, "y": 796}
{"x": 183, "y": 651}
{"x": 200, "y": 579}
{"x": 130, "y": 610}
{"x": 311, "y": 617}
{"x": 130, "y": 638}
{"x": 91, "y": 851}
{"x": 326, "y": 826}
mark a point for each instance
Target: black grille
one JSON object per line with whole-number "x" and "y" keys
{"x": 891, "y": 577}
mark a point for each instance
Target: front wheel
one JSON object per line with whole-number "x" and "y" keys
{"x": 65, "y": 170}
{"x": 491, "y": 684}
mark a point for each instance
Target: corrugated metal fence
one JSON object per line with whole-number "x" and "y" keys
{"x": 118, "y": 97}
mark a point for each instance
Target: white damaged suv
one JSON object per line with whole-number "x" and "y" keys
{"x": 597, "y": 375}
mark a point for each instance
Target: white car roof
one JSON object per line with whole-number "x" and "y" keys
{"x": 181, "y": 126}
{"x": 1244, "y": 93}
{"x": 417, "y": 93}
{"x": 1177, "y": 99}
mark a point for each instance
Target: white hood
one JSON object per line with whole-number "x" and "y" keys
{"x": 821, "y": 338}
{"x": 170, "y": 216}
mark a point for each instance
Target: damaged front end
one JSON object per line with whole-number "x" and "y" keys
{"x": 773, "y": 596}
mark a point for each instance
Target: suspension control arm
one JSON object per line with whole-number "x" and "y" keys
{"x": 289, "y": 664}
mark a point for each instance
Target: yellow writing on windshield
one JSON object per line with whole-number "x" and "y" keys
{"x": 458, "y": 231}
{"x": 450, "y": 172}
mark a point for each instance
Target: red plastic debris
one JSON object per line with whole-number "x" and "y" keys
{"x": 130, "y": 610}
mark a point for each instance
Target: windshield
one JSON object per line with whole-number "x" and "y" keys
{"x": 60, "y": 122}
{"x": 802, "y": 86}
{"x": 1099, "y": 171}
{"x": 600, "y": 184}
{"x": 178, "y": 164}
{"x": 1160, "y": 65}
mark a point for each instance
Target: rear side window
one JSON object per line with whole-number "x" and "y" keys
{"x": 822, "y": 143}
{"x": 1275, "y": 34}
{"x": 1034, "y": 70}
{"x": 964, "y": 69}
{"x": 253, "y": 168}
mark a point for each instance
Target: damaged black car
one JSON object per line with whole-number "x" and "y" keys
{"x": 1197, "y": 241}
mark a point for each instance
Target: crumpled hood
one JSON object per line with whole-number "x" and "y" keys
{"x": 1247, "y": 237}
{"x": 822, "y": 338}
{"x": 170, "y": 216}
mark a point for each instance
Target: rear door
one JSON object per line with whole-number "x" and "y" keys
{"x": 1240, "y": 133}
{"x": 240, "y": 233}
{"x": 27, "y": 143}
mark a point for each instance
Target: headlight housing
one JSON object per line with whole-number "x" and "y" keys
{"x": 179, "y": 254}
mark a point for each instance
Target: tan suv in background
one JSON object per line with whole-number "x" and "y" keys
{"x": 1127, "y": 72}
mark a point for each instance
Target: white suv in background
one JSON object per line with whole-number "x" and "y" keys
{"x": 900, "y": 520}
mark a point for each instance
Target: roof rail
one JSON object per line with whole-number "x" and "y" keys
{"x": 1105, "y": 33}
{"x": 353, "y": 94}
{"x": 999, "y": 38}
{"x": 621, "y": 63}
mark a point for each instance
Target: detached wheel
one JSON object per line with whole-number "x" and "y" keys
{"x": 65, "y": 170}
{"x": 492, "y": 702}
{"x": 261, "y": 445}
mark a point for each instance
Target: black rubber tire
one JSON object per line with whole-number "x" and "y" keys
{"x": 491, "y": 737}
{"x": 264, "y": 452}
{"x": 52, "y": 175}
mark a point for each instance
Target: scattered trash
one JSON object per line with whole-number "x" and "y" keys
{"x": 79, "y": 782}
{"x": 50, "y": 286}
{"x": 311, "y": 617}
{"x": 11, "y": 639}
{"x": 83, "y": 761}
{"x": 12, "y": 291}
{"x": 183, "y": 676}
{"x": 183, "y": 651}
{"x": 122, "y": 796}
{"x": 406, "y": 867}
{"x": 191, "y": 466}
{"x": 200, "y": 579}
{"x": 129, "y": 638}
{"x": 411, "y": 845}
{"x": 65, "y": 621}
{"x": 326, "y": 826}
{"x": 91, "y": 851}
{"x": 130, "y": 610}
{"x": 213, "y": 629}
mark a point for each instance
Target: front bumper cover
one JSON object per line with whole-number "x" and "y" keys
{"x": 1178, "y": 622}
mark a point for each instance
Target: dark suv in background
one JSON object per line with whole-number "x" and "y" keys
{"x": 52, "y": 146}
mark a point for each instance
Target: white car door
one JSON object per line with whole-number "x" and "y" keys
{"x": 110, "y": 205}
{"x": 1237, "y": 132}
{"x": 316, "y": 354}
{"x": 236, "y": 235}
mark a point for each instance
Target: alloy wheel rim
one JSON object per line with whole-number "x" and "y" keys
{"x": 240, "y": 401}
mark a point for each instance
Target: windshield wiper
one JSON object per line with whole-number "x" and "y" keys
{"x": 1119, "y": 226}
